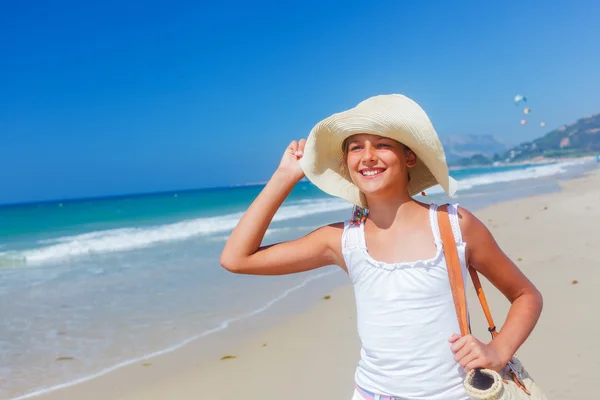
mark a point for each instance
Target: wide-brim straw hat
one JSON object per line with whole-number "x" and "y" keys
{"x": 394, "y": 116}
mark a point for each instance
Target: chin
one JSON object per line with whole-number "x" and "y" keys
{"x": 380, "y": 189}
{"x": 372, "y": 190}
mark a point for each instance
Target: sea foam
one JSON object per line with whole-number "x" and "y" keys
{"x": 123, "y": 239}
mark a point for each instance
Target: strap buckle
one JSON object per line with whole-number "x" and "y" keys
{"x": 517, "y": 376}
{"x": 513, "y": 370}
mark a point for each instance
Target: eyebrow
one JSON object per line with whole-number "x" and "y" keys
{"x": 376, "y": 136}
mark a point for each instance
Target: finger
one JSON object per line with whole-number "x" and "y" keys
{"x": 301, "y": 145}
{"x": 458, "y": 344}
{"x": 454, "y": 338}
{"x": 293, "y": 146}
{"x": 300, "y": 151}
{"x": 468, "y": 341}
{"x": 465, "y": 351}
{"x": 469, "y": 362}
{"x": 475, "y": 363}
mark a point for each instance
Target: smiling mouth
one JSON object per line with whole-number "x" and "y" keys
{"x": 371, "y": 172}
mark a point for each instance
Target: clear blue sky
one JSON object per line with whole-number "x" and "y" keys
{"x": 111, "y": 97}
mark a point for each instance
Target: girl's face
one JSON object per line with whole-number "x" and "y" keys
{"x": 378, "y": 165}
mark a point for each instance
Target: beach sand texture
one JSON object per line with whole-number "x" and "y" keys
{"x": 554, "y": 238}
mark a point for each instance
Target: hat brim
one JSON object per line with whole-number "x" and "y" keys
{"x": 398, "y": 118}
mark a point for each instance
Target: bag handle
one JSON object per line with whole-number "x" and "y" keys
{"x": 456, "y": 277}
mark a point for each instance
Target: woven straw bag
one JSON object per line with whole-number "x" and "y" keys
{"x": 510, "y": 383}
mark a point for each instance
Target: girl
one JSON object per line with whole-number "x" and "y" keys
{"x": 377, "y": 155}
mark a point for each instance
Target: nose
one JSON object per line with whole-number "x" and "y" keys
{"x": 369, "y": 153}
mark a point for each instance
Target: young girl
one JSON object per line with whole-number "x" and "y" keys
{"x": 377, "y": 155}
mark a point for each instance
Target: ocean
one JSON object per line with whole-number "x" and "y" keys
{"x": 88, "y": 286}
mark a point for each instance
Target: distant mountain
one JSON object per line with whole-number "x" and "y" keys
{"x": 461, "y": 147}
{"x": 580, "y": 138}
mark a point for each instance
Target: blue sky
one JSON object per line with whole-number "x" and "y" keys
{"x": 112, "y": 97}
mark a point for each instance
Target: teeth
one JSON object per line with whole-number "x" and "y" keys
{"x": 370, "y": 172}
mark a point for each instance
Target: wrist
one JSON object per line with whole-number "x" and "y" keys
{"x": 503, "y": 351}
{"x": 284, "y": 176}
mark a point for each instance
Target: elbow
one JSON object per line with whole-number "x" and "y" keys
{"x": 537, "y": 297}
{"x": 540, "y": 300}
{"x": 231, "y": 265}
{"x": 536, "y": 301}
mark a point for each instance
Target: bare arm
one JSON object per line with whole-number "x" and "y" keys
{"x": 243, "y": 252}
{"x": 484, "y": 254}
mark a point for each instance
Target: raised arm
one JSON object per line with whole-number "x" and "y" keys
{"x": 243, "y": 252}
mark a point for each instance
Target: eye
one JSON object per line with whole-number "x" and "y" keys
{"x": 355, "y": 147}
{"x": 383, "y": 145}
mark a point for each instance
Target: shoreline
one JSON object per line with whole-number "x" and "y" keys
{"x": 176, "y": 364}
{"x": 533, "y": 161}
{"x": 230, "y": 331}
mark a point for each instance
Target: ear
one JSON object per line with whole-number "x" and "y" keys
{"x": 411, "y": 158}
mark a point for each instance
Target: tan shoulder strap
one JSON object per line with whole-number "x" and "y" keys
{"x": 456, "y": 278}
{"x": 454, "y": 270}
{"x": 483, "y": 301}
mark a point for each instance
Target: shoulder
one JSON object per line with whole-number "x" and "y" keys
{"x": 334, "y": 228}
{"x": 330, "y": 239}
{"x": 475, "y": 233}
{"x": 330, "y": 234}
{"x": 467, "y": 220}
{"x": 470, "y": 225}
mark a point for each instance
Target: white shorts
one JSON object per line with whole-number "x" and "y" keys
{"x": 357, "y": 396}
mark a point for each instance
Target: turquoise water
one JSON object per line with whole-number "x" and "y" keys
{"x": 110, "y": 281}
{"x": 21, "y": 224}
{"x": 54, "y": 218}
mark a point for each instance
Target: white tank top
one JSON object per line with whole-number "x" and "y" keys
{"x": 405, "y": 315}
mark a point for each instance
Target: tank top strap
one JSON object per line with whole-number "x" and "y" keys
{"x": 433, "y": 221}
{"x": 353, "y": 236}
{"x": 453, "y": 211}
{"x": 454, "y": 222}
